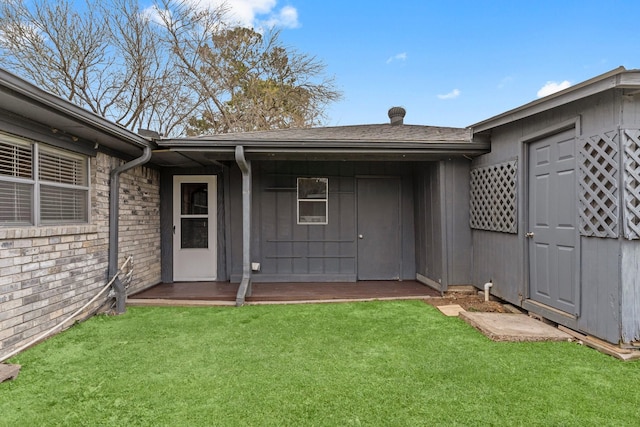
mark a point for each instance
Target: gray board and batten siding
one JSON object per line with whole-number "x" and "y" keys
{"x": 425, "y": 203}
{"x": 288, "y": 251}
{"x": 595, "y": 135}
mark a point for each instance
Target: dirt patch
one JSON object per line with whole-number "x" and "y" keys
{"x": 469, "y": 303}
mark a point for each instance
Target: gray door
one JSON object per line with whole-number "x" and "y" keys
{"x": 379, "y": 228}
{"x": 552, "y": 233}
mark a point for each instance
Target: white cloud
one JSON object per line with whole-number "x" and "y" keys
{"x": 451, "y": 95}
{"x": 553, "y": 87}
{"x": 397, "y": 57}
{"x": 257, "y": 13}
{"x": 287, "y": 17}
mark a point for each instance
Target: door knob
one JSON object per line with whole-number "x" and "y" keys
{"x": 360, "y": 236}
{"x": 529, "y": 235}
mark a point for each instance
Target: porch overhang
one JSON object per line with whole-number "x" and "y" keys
{"x": 375, "y": 142}
{"x": 189, "y": 153}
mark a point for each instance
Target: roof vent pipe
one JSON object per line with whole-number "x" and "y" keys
{"x": 396, "y": 114}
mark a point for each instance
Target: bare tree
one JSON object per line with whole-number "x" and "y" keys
{"x": 174, "y": 67}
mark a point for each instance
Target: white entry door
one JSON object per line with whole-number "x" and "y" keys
{"x": 194, "y": 228}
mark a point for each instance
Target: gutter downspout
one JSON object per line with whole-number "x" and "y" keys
{"x": 245, "y": 284}
{"x": 114, "y": 210}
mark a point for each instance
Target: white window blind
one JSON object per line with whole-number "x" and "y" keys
{"x": 16, "y": 201}
{"x": 16, "y": 181}
{"x": 16, "y": 159}
{"x": 61, "y": 167}
{"x": 63, "y": 186}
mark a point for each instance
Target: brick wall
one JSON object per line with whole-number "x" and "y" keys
{"x": 47, "y": 273}
{"x": 139, "y": 234}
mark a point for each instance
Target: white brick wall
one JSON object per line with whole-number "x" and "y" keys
{"x": 49, "y": 272}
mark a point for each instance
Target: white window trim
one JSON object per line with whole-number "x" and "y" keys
{"x": 324, "y": 200}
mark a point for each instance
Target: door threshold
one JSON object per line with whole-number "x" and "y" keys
{"x": 531, "y": 305}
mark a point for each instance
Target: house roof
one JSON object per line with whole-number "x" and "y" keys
{"x": 22, "y": 98}
{"x": 620, "y": 78}
{"x": 360, "y": 142}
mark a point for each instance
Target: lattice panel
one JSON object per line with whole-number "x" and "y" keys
{"x": 493, "y": 197}
{"x": 631, "y": 141}
{"x": 598, "y": 185}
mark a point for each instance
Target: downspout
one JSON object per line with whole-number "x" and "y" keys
{"x": 114, "y": 210}
{"x": 245, "y": 284}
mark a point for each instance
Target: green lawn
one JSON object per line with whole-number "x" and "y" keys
{"x": 378, "y": 363}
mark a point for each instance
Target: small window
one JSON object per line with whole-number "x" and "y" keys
{"x": 313, "y": 201}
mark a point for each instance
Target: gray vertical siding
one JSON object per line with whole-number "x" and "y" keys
{"x": 630, "y": 293}
{"x": 287, "y": 251}
{"x": 429, "y": 251}
{"x": 600, "y": 279}
{"x": 458, "y": 247}
{"x": 443, "y": 237}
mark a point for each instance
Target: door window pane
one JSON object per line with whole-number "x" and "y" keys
{"x": 194, "y": 198}
{"x": 194, "y": 233}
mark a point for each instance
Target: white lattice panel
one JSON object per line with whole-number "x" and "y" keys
{"x": 598, "y": 185}
{"x": 631, "y": 141}
{"x": 493, "y": 197}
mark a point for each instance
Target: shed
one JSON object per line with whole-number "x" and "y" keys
{"x": 555, "y": 206}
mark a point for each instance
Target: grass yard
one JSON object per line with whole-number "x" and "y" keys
{"x": 375, "y": 364}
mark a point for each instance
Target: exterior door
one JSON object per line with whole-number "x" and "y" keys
{"x": 552, "y": 232}
{"x": 379, "y": 248}
{"x": 194, "y": 228}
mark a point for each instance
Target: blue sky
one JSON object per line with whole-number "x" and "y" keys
{"x": 451, "y": 63}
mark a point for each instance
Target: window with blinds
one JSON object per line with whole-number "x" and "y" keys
{"x": 63, "y": 180}
{"x": 41, "y": 184}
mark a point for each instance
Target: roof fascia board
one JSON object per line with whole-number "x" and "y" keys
{"x": 215, "y": 144}
{"x": 617, "y": 78}
{"x": 629, "y": 80}
{"x": 63, "y": 107}
{"x": 466, "y": 148}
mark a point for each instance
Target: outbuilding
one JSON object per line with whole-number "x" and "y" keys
{"x": 555, "y": 206}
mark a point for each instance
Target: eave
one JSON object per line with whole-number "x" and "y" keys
{"x": 23, "y": 99}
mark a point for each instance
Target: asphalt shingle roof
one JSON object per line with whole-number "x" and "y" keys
{"x": 357, "y": 133}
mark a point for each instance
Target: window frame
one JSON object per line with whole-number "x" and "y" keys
{"x": 36, "y": 183}
{"x": 314, "y": 200}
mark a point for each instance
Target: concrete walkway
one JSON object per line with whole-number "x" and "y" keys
{"x": 513, "y": 327}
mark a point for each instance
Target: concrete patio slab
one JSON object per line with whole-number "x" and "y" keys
{"x": 513, "y": 327}
{"x": 451, "y": 310}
